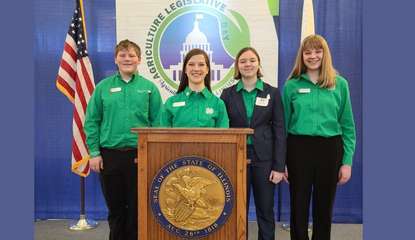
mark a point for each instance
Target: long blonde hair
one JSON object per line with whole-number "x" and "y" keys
{"x": 327, "y": 77}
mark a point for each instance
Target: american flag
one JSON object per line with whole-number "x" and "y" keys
{"x": 76, "y": 81}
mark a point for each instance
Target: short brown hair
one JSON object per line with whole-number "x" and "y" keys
{"x": 125, "y": 45}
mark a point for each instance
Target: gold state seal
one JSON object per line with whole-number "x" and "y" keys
{"x": 191, "y": 197}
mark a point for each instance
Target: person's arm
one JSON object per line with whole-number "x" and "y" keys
{"x": 223, "y": 120}
{"x": 92, "y": 124}
{"x": 286, "y": 101}
{"x": 346, "y": 122}
{"x": 156, "y": 104}
{"x": 96, "y": 164}
{"x": 286, "y": 176}
{"x": 275, "y": 177}
{"x": 279, "y": 132}
{"x": 345, "y": 173}
{"x": 166, "y": 118}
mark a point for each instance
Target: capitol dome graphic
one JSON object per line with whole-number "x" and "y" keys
{"x": 197, "y": 39}
{"x": 196, "y": 36}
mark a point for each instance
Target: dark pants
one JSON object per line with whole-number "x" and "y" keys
{"x": 119, "y": 187}
{"x": 313, "y": 165}
{"x": 263, "y": 192}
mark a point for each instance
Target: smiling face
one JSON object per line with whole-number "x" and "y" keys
{"x": 196, "y": 70}
{"x": 312, "y": 58}
{"x": 127, "y": 61}
{"x": 248, "y": 65}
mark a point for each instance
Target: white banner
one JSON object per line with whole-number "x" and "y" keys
{"x": 167, "y": 30}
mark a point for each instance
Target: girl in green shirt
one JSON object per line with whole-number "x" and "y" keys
{"x": 194, "y": 104}
{"x": 321, "y": 137}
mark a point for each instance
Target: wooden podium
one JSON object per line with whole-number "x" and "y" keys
{"x": 226, "y": 147}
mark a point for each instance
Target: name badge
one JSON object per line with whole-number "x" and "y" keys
{"x": 117, "y": 89}
{"x": 179, "y": 104}
{"x": 303, "y": 90}
{"x": 263, "y": 102}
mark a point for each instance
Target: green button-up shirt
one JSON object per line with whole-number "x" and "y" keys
{"x": 314, "y": 111}
{"x": 191, "y": 109}
{"x": 117, "y": 106}
{"x": 249, "y": 100}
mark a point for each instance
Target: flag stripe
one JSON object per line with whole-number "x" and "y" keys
{"x": 76, "y": 80}
{"x": 67, "y": 74}
{"x": 68, "y": 56}
{"x": 84, "y": 93}
{"x": 87, "y": 73}
{"x": 67, "y": 70}
{"x": 77, "y": 127}
{"x": 71, "y": 48}
{"x": 63, "y": 86}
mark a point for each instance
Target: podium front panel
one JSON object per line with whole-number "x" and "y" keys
{"x": 160, "y": 146}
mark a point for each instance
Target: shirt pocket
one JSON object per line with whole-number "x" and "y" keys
{"x": 141, "y": 100}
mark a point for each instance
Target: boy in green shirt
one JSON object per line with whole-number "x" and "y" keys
{"x": 119, "y": 103}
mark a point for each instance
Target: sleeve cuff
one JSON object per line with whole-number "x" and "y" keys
{"x": 94, "y": 154}
{"x": 347, "y": 160}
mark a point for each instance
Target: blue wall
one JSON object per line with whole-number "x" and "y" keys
{"x": 57, "y": 189}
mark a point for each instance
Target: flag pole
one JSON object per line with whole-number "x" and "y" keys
{"x": 75, "y": 82}
{"x": 83, "y": 223}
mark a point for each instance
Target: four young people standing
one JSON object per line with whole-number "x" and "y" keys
{"x": 306, "y": 136}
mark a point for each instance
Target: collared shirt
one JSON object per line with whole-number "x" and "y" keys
{"x": 314, "y": 111}
{"x": 249, "y": 100}
{"x": 117, "y": 106}
{"x": 191, "y": 109}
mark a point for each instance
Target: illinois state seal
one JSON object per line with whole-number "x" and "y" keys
{"x": 191, "y": 197}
